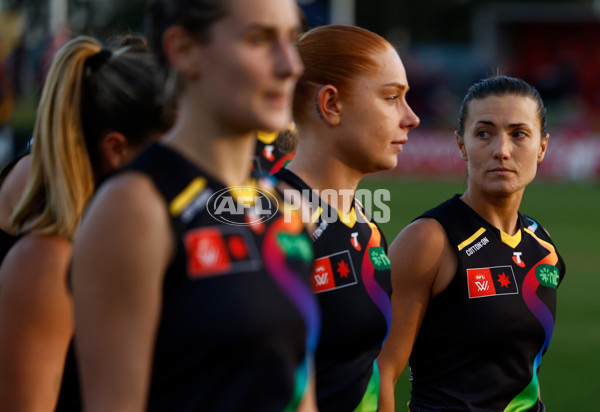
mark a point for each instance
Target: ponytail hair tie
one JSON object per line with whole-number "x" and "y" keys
{"x": 94, "y": 62}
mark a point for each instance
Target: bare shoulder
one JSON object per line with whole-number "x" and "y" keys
{"x": 127, "y": 193}
{"x": 35, "y": 257}
{"x": 15, "y": 182}
{"x": 33, "y": 276}
{"x": 12, "y": 190}
{"x": 423, "y": 236}
{"x": 423, "y": 255}
{"x": 127, "y": 221}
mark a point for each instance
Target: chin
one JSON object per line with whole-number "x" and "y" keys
{"x": 273, "y": 122}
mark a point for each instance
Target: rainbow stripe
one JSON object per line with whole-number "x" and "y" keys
{"x": 370, "y": 399}
{"x": 299, "y": 292}
{"x": 377, "y": 294}
{"x": 525, "y": 400}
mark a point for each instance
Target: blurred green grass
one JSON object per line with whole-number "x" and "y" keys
{"x": 571, "y": 213}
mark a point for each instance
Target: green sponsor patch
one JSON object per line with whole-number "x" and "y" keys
{"x": 378, "y": 258}
{"x": 547, "y": 275}
{"x": 296, "y": 246}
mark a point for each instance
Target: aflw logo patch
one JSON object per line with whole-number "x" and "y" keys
{"x": 333, "y": 272}
{"x": 492, "y": 281}
{"x": 220, "y": 250}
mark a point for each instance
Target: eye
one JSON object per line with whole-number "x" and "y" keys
{"x": 519, "y": 134}
{"x": 483, "y": 134}
{"x": 259, "y": 37}
{"x": 393, "y": 98}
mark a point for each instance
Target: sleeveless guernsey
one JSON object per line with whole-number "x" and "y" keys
{"x": 351, "y": 279}
{"x": 482, "y": 339}
{"x": 239, "y": 323}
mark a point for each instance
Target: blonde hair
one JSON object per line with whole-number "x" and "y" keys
{"x": 61, "y": 179}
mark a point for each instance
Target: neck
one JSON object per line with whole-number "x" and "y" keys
{"x": 321, "y": 169}
{"x": 501, "y": 211}
{"x": 224, "y": 154}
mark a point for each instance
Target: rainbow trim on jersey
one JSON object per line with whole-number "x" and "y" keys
{"x": 377, "y": 294}
{"x": 370, "y": 400}
{"x": 275, "y": 256}
{"x": 525, "y": 400}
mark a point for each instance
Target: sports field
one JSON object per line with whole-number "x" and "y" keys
{"x": 570, "y": 371}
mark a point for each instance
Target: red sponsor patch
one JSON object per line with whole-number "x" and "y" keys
{"x": 322, "y": 277}
{"x": 220, "y": 250}
{"x": 492, "y": 281}
{"x": 206, "y": 252}
{"x": 333, "y": 272}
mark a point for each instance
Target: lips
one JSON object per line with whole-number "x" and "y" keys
{"x": 279, "y": 99}
{"x": 398, "y": 144}
{"x": 501, "y": 170}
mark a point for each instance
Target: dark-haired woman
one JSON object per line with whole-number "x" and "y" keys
{"x": 183, "y": 303}
{"x": 475, "y": 280}
{"x": 98, "y": 108}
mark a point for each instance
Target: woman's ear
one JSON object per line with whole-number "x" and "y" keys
{"x": 180, "y": 49}
{"x": 115, "y": 151}
{"x": 328, "y": 105}
{"x": 461, "y": 146}
{"x": 543, "y": 148}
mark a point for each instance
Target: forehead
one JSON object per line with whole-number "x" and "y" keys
{"x": 390, "y": 70}
{"x": 272, "y": 13}
{"x": 506, "y": 109}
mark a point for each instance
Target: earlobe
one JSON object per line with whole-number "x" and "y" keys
{"x": 461, "y": 146}
{"x": 328, "y": 105}
{"x": 543, "y": 148}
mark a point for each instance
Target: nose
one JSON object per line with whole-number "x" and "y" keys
{"x": 502, "y": 146}
{"x": 410, "y": 120}
{"x": 288, "y": 62}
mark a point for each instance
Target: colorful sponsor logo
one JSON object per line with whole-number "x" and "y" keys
{"x": 268, "y": 152}
{"x": 296, "y": 246}
{"x": 378, "y": 258}
{"x": 517, "y": 259}
{"x": 333, "y": 272}
{"x": 547, "y": 275}
{"x": 354, "y": 241}
{"x": 219, "y": 250}
{"x": 491, "y": 281}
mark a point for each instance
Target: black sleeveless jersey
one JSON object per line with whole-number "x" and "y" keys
{"x": 351, "y": 279}
{"x": 268, "y": 158}
{"x": 239, "y": 323}
{"x": 482, "y": 339}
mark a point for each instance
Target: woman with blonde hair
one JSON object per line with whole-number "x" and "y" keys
{"x": 98, "y": 108}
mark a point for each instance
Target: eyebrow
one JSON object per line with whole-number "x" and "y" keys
{"x": 400, "y": 86}
{"x": 268, "y": 28}
{"x": 512, "y": 125}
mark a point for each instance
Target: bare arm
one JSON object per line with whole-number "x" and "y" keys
{"x": 11, "y": 191}
{"x": 36, "y": 323}
{"x": 120, "y": 256}
{"x": 421, "y": 260}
